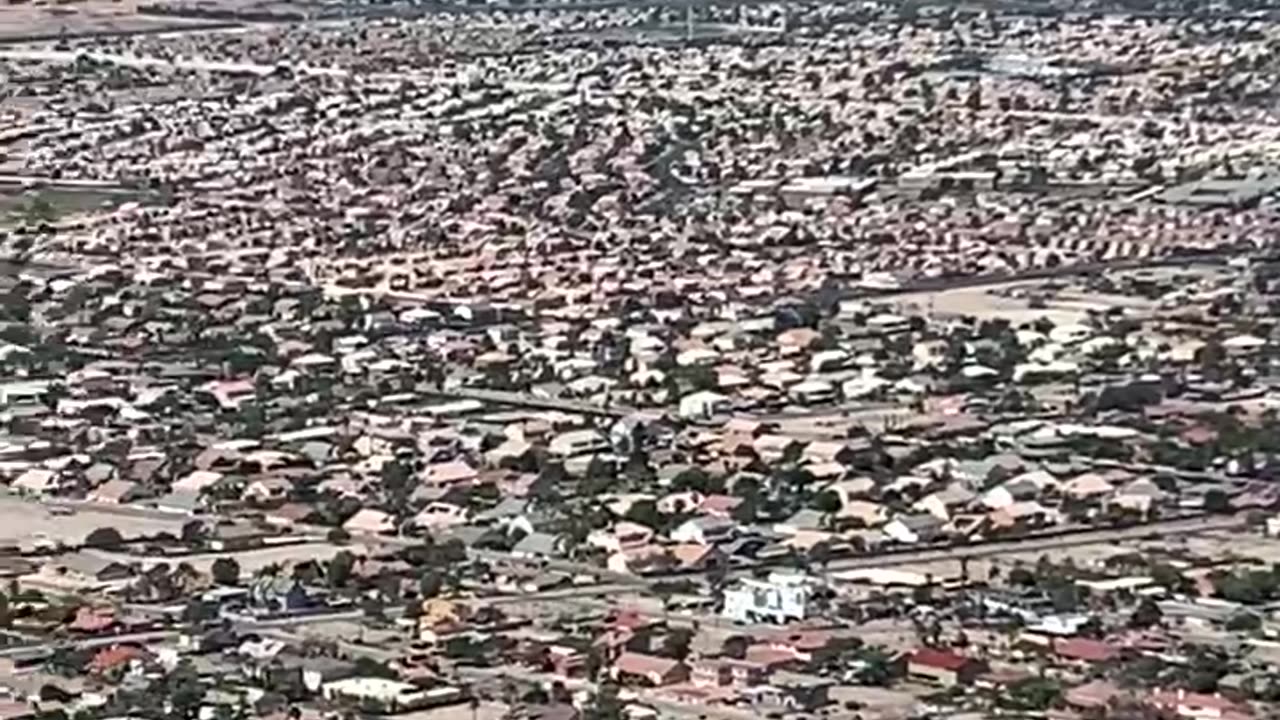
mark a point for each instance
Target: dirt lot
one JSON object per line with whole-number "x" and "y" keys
{"x": 250, "y": 560}
{"x": 24, "y": 520}
{"x": 17, "y": 206}
{"x": 19, "y": 22}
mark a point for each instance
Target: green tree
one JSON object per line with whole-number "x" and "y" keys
{"x": 430, "y": 584}
{"x": 677, "y": 643}
{"x": 1244, "y": 622}
{"x": 106, "y": 538}
{"x": 1216, "y": 501}
{"x": 606, "y": 705}
{"x": 827, "y": 502}
{"x": 645, "y": 512}
{"x": 1146, "y": 614}
{"x": 225, "y": 571}
{"x": 1036, "y": 694}
{"x": 339, "y": 569}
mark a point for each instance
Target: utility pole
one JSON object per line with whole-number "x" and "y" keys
{"x": 688, "y": 23}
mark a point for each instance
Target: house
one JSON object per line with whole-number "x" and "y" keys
{"x": 830, "y": 451}
{"x": 773, "y": 448}
{"x": 912, "y": 529}
{"x": 578, "y": 442}
{"x": 80, "y": 571}
{"x": 116, "y": 658}
{"x": 651, "y": 670}
{"x": 537, "y": 546}
{"x": 808, "y": 645}
{"x": 625, "y": 535}
{"x": 92, "y": 620}
{"x": 1087, "y": 486}
{"x": 1023, "y": 516}
{"x": 849, "y": 490}
{"x": 862, "y": 514}
{"x": 368, "y": 521}
{"x": 308, "y": 674}
{"x": 719, "y": 505}
{"x": 449, "y": 474}
{"x": 1092, "y": 696}
{"x": 1197, "y": 706}
{"x": 702, "y": 405}
{"x": 36, "y": 481}
{"x": 389, "y": 696}
{"x": 945, "y": 502}
{"x": 1085, "y": 650}
{"x": 267, "y": 491}
{"x": 695, "y": 556}
{"x": 812, "y": 391}
{"x": 791, "y": 691}
{"x": 679, "y": 503}
{"x": 114, "y": 492}
{"x": 721, "y": 671}
{"x": 779, "y": 599}
{"x": 942, "y": 667}
{"x": 706, "y": 530}
{"x": 439, "y": 515}
{"x": 565, "y": 661}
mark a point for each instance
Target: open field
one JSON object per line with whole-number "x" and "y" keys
{"x": 23, "y": 521}
{"x": 25, "y": 22}
{"x": 17, "y": 206}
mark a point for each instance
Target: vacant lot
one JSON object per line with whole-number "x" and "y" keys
{"x": 33, "y": 206}
{"x": 25, "y": 520}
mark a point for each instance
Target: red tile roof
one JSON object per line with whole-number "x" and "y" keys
{"x": 115, "y": 657}
{"x": 641, "y": 664}
{"x": 1085, "y": 649}
{"x": 929, "y": 657}
{"x": 1177, "y": 698}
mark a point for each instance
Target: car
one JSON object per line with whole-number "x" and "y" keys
{"x": 62, "y": 510}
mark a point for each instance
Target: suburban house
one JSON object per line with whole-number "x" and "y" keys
{"x": 639, "y": 668}
{"x": 941, "y": 667}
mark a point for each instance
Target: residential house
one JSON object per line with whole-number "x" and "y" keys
{"x": 791, "y": 691}
{"x": 942, "y": 667}
{"x": 114, "y": 492}
{"x": 722, "y": 671}
{"x": 80, "y": 572}
{"x": 578, "y": 442}
{"x": 538, "y": 546}
{"x": 449, "y": 474}
{"x": 1198, "y": 706}
{"x": 368, "y": 521}
{"x": 624, "y": 535}
{"x": 706, "y": 530}
{"x": 651, "y": 670}
{"x": 912, "y": 529}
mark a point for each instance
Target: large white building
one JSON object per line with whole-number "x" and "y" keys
{"x": 780, "y": 599}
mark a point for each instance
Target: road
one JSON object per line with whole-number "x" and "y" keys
{"x": 93, "y": 642}
{"x": 644, "y": 696}
{"x": 1181, "y": 526}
